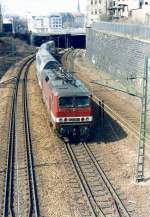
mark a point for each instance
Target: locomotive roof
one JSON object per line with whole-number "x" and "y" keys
{"x": 66, "y": 87}
{"x": 69, "y": 89}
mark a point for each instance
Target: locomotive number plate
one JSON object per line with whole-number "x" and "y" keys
{"x": 74, "y": 119}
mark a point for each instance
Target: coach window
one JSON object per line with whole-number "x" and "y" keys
{"x": 50, "y": 65}
{"x": 47, "y": 66}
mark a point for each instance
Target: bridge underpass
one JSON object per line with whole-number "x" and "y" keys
{"x": 61, "y": 41}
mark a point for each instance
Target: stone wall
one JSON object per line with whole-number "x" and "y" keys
{"x": 120, "y": 58}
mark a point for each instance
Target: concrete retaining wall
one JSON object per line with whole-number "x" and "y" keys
{"x": 119, "y": 57}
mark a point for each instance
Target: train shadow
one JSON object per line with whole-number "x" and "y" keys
{"x": 105, "y": 128}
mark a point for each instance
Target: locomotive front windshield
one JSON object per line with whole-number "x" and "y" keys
{"x": 81, "y": 101}
{"x": 77, "y": 101}
{"x": 66, "y": 102}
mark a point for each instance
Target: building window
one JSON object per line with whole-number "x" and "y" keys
{"x": 91, "y": 2}
{"x": 56, "y": 22}
{"x": 99, "y": 11}
{"x": 146, "y": 3}
{"x": 95, "y": 11}
{"x": 95, "y": 2}
{"x": 99, "y": 1}
{"x": 91, "y": 12}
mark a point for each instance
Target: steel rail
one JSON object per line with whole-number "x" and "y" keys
{"x": 94, "y": 208}
{"x": 105, "y": 179}
{"x": 32, "y": 181}
{"x": 9, "y": 178}
{"x": 107, "y": 182}
{"x": 8, "y": 192}
{"x": 9, "y": 168}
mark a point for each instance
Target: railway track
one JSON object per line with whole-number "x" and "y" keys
{"x": 20, "y": 194}
{"x": 100, "y": 195}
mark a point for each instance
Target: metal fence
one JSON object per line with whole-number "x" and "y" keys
{"x": 131, "y": 30}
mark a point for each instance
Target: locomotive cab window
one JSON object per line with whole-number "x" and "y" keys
{"x": 78, "y": 101}
{"x": 66, "y": 102}
{"x": 82, "y": 101}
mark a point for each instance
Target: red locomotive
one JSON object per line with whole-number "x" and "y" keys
{"x": 68, "y": 101}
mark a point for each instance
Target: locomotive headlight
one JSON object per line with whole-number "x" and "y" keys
{"x": 60, "y": 119}
{"x": 89, "y": 118}
{"x": 65, "y": 119}
{"x": 82, "y": 119}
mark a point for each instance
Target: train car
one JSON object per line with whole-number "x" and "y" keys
{"x": 44, "y": 60}
{"x": 68, "y": 101}
{"x": 49, "y": 46}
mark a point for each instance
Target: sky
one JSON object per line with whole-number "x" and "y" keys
{"x": 22, "y": 7}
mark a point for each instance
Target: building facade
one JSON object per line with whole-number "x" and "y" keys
{"x": 56, "y": 21}
{"x": 78, "y": 20}
{"x": 142, "y": 15}
{"x": 122, "y": 8}
{"x": 73, "y": 20}
{"x": 96, "y": 10}
{"x": 136, "y": 11}
{"x": 41, "y": 24}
